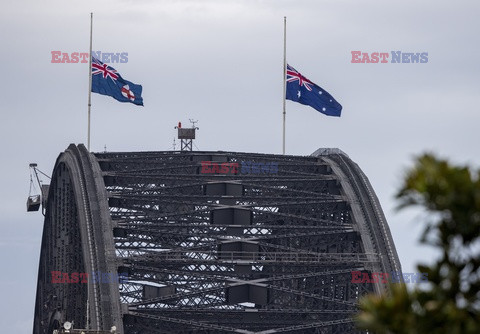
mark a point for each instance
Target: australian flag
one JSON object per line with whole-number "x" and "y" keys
{"x": 107, "y": 81}
{"x": 302, "y": 90}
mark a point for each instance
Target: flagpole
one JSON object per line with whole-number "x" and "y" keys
{"x": 284, "y": 77}
{"x": 90, "y": 81}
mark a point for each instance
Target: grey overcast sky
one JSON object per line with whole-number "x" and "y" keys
{"x": 220, "y": 62}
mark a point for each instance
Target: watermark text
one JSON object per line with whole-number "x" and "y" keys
{"x": 393, "y": 277}
{"x": 95, "y": 277}
{"x": 384, "y": 57}
{"x": 82, "y": 57}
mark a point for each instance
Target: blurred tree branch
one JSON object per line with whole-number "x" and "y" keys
{"x": 451, "y": 301}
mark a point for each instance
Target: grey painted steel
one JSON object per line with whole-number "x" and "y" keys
{"x": 233, "y": 252}
{"x": 79, "y": 241}
{"x": 366, "y": 209}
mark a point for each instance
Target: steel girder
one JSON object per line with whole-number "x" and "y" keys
{"x": 261, "y": 252}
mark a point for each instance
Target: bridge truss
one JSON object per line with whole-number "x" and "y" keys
{"x": 268, "y": 251}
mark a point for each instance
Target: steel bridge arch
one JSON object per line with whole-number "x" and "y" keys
{"x": 263, "y": 250}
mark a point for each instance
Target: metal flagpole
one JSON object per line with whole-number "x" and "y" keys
{"x": 88, "y": 142}
{"x": 284, "y": 77}
{"x": 90, "y": 80}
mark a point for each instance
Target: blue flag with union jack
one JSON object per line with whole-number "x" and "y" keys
{"x": 302, "y": 90}
{"x": 107, "y": 81}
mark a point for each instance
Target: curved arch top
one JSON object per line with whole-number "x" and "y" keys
{"x": 76, "y": 239}
{"x": 366, "y": 208}
{"x": 210, "y": 242}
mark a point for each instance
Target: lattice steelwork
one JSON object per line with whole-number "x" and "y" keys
{"x": 241, "y": 250}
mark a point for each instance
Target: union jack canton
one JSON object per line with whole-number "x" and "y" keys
{"x": 107, "y": 81}
{"x": 304, "y": 91}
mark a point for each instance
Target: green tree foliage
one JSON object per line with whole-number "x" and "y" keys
{"x": 450, "y": 302}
